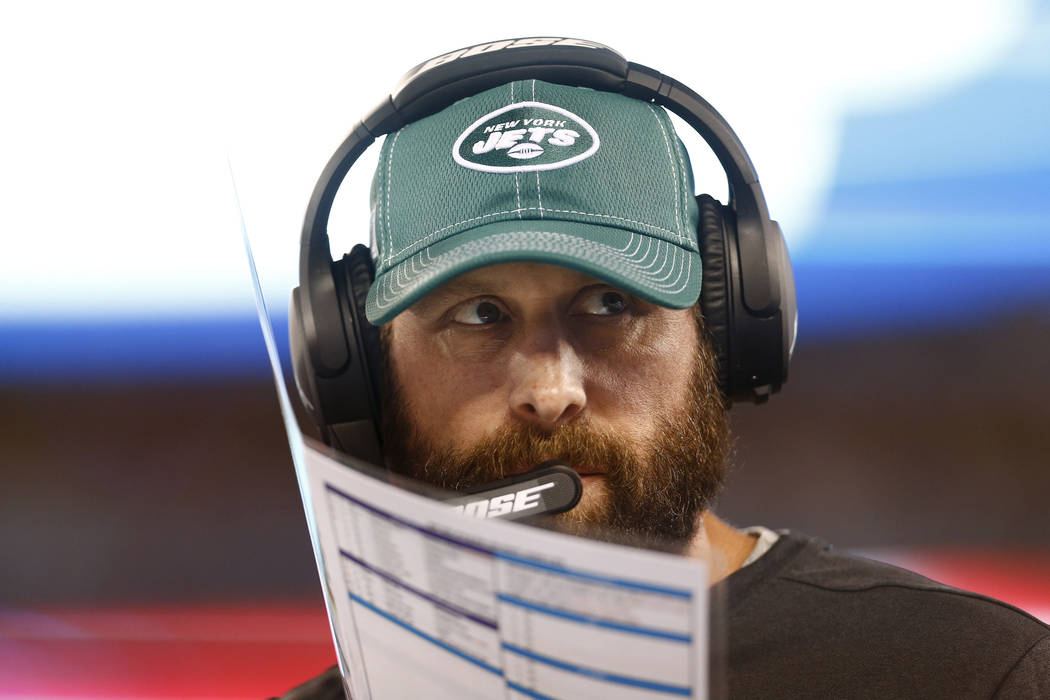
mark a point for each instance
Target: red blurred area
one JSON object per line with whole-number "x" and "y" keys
{"x": 1020, "y": 578}
{"x": 260, "y": 650}
{"x": 192, "y": 651}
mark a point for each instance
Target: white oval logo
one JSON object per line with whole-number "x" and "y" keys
{"x": 548, "y": 137}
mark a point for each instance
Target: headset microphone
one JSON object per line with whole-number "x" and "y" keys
{"x": 552, "y": 487}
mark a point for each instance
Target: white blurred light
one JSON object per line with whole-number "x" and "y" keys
{"x": 120, "y": 115}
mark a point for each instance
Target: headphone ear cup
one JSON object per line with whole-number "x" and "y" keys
{"x": 351, "y": 407}
{"x": 360, "y": 272}
{"x": 752, "y": 346}
{"x": 343, "y": 399}
{"x": 715, "y": 301}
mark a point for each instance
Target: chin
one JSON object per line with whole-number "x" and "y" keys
{"x": 590, "y": 511}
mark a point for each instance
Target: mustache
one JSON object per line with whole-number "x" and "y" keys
{"x": 514, "y": 449}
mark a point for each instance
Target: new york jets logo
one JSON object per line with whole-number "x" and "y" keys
{"x": 525, "y": 136}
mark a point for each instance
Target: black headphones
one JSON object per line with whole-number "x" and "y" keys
{"x": 748, "y": 289}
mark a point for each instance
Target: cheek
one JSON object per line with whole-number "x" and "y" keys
{"x": 451, "y": 402}
{"x": 643, "y": 389}
{"x": 642, "y": 384}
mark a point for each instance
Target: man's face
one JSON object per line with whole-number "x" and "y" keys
{"x": 511, "y": 365}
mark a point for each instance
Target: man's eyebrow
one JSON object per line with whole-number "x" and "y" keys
{"x": 455, "y": 290}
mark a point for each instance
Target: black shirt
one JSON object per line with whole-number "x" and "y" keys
{"x": 806, "y": 621}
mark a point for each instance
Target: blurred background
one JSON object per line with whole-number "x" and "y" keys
{"x": 152, "y": 536}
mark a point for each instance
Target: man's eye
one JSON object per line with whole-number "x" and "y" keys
{"x": 603, "y": 302}
{"x": 478, "y": 313}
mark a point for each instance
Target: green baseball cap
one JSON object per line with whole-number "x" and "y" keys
{"x": 535, "y": 172}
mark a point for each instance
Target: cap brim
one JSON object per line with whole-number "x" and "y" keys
{"x": 655, "y": 270}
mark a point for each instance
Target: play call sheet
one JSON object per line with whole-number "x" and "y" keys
{"x": 427, "y": 603}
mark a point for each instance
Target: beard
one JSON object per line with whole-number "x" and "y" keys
{"x": 653, "y": 491}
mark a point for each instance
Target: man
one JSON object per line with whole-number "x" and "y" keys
{"x": 532, "y": 313}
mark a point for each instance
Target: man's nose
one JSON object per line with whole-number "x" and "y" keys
{"x": 548, "y": 384}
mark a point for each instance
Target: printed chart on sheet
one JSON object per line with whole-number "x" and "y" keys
{"x": 433, "y": 604}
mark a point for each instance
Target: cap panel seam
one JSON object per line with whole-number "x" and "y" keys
{"x": 386, "y": 206}
{"x": 687, "y": 192}
{"x": 377, "y": 196}
{"x": 539, "y": 194}
{"x": 517, "y": 184}
{"x": 674, "y": 175}
{"x": 380, "y": 230}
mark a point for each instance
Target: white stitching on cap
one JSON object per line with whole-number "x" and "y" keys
{"x": 630, "y": 242}
{"x": 514, "y": 211}
{"x": 655, "y": 259}
{"x": 633, "y": 256}
{"x": 400, "y": 272}
{"x": 517, "y": 186}
{"x": 518, "y": 240}
{"x": 662, "y": 268}
{"x": 386, "y": 207}
{"x": 667, "y": 143}
{"x": 539, "y": 193}
{"x": 387, "y": 291}
{"x": 681, "y": 271}
{"x": 646, "y": 255}
{"x": 609, "y": 216}
{"x": 376, "y": 238}
{"x": 687, "y": 193}
{"x": 394, "y": 284}
{"x": 674, "y": 258}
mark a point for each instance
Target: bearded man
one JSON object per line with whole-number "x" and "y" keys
{"x": 537, "y": 276}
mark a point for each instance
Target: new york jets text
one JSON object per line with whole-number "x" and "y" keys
{"x": 500, "y": 140}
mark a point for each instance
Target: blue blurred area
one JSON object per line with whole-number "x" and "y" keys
{"x": 162, "y": 350}
{"x": 853, "y": 300}
{"x": 938, "y": 215}
{"x": 963, "y": 179}
{"x": 980, "y": 220}
{"x": 996, "y": 124}
{"x": 834, "y": 301}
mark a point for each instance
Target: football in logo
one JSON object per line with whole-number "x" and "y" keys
{"x": 525, "y": 136}
{"x": 524, "y": 151}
